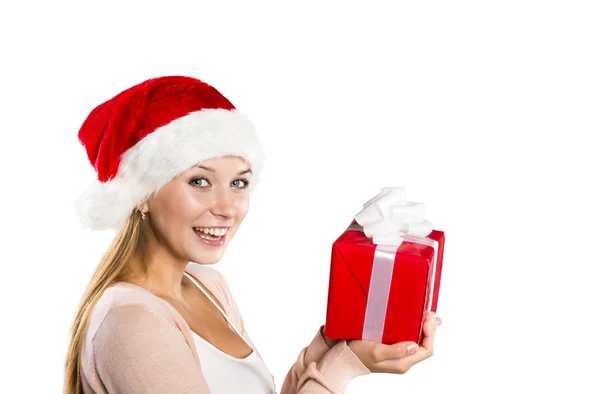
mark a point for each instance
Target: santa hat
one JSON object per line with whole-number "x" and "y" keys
{"x": 148, "y": 134}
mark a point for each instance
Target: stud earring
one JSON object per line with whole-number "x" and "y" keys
{"x": 143, "y": 215}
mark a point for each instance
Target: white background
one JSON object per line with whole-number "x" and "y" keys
{"x": 485, "y": 111}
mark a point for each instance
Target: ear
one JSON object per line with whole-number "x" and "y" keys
{"x": 143, "y": 207}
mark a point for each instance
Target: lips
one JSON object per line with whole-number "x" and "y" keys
{"x": 211, "y": 240}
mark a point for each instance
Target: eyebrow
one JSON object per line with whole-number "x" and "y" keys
{"x": 212, "y": 169}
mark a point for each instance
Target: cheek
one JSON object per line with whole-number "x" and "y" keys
{"x": 185, "y": 205}
{"x": 242, "y": 206}
{"x": 176, "y": 214}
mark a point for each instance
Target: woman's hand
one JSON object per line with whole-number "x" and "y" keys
{"x": 399, "y": 357}
{"x": 330, "y": 342}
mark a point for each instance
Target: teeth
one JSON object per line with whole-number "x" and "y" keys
{"x": 212, "y": 231}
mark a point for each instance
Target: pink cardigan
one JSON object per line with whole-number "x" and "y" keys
{"x": 137, "y": 342}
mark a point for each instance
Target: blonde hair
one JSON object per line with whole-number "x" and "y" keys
{"x": 131, "y": 242}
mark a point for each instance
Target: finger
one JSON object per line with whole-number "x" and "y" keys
{"x": 402, "y": 365}
{"x": 412, "y": 359}
{"x": 429, "y": 330}
{"x": 396, "y": 351}
{"x": 433, "y": 319}
{"x": 425, "y": 350}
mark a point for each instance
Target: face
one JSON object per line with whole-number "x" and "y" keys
{"x": 212, "y": 197}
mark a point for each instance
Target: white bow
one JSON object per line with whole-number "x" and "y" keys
{"x": 388, "y": 218}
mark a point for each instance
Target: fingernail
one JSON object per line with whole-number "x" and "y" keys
{"x": 412, "y": 348}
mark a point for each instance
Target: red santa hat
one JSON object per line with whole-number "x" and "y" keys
{"x": 148, "y": 134}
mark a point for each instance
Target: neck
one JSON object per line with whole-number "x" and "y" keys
{"x": 161, "y": 274}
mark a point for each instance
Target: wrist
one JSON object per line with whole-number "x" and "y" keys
{"x": 328, "y": 341}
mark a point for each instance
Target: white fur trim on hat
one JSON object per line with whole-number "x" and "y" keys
{"x": 164, "y": 154}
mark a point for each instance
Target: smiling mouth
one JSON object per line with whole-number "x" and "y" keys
{"x": 210, "y": 234}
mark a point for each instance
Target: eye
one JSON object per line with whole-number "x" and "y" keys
{"x": 237, "y": 182}
{"x": 196, "y": 181}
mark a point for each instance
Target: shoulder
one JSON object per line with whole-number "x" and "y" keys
{"x": 121, "y": 297}
{"x": 125, "y": 296}
{"x": 132, "y": 346}
{"x": 124, "y": 321}
{"x": 123, "y": 311}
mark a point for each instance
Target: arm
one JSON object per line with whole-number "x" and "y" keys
{"x": 136, "y": 351}
{"x": 329, "y": 374}
{"x": 321, "y": 369}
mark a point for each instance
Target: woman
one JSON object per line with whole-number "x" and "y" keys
{"x": 176, "y": 163}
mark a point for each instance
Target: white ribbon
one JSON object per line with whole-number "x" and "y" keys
{"x": 389, "y": 220}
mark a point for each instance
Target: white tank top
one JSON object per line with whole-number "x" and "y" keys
{"x": 227, "y": 374}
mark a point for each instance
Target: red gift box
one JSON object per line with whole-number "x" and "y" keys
{"x": 393, "y": 295}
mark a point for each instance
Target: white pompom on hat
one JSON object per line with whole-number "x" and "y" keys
{"x": 152, "y": 132}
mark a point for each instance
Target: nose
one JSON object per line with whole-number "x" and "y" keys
{"x": 224, "y": 203}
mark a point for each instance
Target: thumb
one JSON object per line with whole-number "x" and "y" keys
{"x": 395, "y": 351}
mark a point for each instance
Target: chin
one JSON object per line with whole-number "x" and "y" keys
{"x": 203, "y": 253}
{"x": 207, "y": 258}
